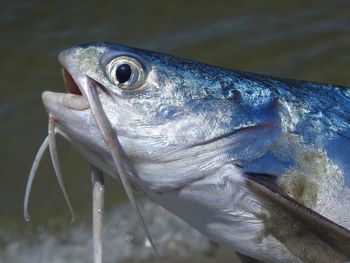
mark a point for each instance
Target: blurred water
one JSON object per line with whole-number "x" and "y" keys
{"x": 295, "y": 39}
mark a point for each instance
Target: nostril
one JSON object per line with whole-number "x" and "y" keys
{"x": 69, "y": 83}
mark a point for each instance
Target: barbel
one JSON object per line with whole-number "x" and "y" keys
{"x": 254, "y": 162}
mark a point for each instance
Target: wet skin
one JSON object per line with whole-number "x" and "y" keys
{"x": 200, "y": 141}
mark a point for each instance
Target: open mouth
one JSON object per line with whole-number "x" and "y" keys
{"x": 74, "y": 99}
{"x": 69, "y": 83}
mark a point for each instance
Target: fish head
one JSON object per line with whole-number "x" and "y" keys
{"x": 201, "y": 141}
{"x": 176, "y": 119}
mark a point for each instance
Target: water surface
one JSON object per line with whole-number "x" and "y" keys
{"x": 294, "y": 39}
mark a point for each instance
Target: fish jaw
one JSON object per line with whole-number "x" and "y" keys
{"x": 185, "y": 152}
{"x": 66, "y": 100}
{"x": 73, "y": 115}
{"x": 76, "y": 124}
{"x": 161, "y": 126}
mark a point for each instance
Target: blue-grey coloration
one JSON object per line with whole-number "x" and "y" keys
{"x": 257, "y": 163}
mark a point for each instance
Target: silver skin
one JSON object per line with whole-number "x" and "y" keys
{"x": 190, "y": 132}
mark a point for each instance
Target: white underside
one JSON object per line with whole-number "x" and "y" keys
{"x": 221, "y": 207}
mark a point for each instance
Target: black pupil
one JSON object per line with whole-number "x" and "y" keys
{"x": 123, "y": 73}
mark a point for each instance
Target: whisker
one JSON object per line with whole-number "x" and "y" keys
{"x": 56, "y": 165}
{"x": 32, "y": 174}
{"x": 114, "y": 148}
{"x": 98, "y": 190}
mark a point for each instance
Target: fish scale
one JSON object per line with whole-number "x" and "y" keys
{"x": 257, "y": 163}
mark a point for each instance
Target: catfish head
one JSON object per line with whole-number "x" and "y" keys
{"x": 241, "y": 157}
{"x": 177, "y": 120}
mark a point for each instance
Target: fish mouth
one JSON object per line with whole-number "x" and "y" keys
{"x": 69, "y": 83}
{"x": 74, "y": 99}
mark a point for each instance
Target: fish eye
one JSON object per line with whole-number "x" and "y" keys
{"x": 125, "y": 72}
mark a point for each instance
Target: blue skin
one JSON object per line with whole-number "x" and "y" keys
{"x": 227, "y": 103}
{"x": 188, "y": 120}
{"x": 251, "y": 98}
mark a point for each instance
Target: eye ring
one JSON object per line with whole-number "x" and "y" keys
{"x": 125, "y": 72}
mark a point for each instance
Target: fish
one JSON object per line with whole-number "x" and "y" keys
{"x": 256, "y": 163}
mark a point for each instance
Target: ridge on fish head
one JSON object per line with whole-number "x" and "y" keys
{"x": 172, "y": 115}
{"x": 254, "y": 162}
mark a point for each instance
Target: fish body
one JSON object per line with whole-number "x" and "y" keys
{"x": 257, "y": 163}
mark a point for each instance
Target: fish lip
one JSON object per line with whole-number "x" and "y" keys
{"x": 75, "y": 98}
{"x": 65, "y": 100}
{"x": 69, "y": 82}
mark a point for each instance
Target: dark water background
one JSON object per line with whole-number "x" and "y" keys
{"x": 295, "y": 39}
